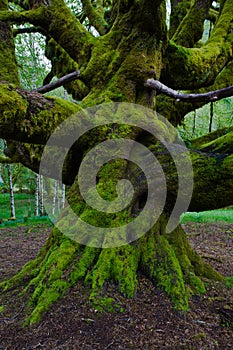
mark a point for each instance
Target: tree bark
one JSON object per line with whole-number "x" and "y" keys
{"x": 114, "y": 68}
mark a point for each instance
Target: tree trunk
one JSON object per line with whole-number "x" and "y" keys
{"x": 77, "y": 253}
{"x": 114, "y": 68}
{"x": 11, "y": 189}
{"x": 41, "y": 186}
{"x": 37, "y": 194}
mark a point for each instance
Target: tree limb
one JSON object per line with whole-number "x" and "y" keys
{"x": 22, "y": 17}
{"x": 191, "y": 28}
{"x": 59, "y": 82}
{"x": 176, "y": 111}
{"x": 95, "y": 16}
{"x": 211, "y": 96}
{"x": 18, "y": 121}
{"x": 8, "y": 64}
{"x": 54, "y": 23}
{"x": 179, "y": 9}
{"x": 212, "y": 175}
{"x": 194, "y": 68}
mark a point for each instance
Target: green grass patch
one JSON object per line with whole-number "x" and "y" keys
{"x": 27, "y": 222}
{"x": 212, "y": 216}
{"x": 24, "y": 205}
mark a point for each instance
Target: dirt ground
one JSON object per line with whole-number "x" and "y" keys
{"x": 148, "y": 322}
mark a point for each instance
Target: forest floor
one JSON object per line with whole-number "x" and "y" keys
{"x": 148, "y": 322}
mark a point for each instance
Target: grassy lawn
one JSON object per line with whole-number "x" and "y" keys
{"x": 24, "y": 205}
{"x": 211, "y": 216}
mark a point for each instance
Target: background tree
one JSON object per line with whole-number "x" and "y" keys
{"x": 128, "y": 46}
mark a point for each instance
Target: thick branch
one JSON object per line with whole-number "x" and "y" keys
{"x": 212, "y": 175}
{"x": 175, "y": 111}
{"x": 179, "y": 9}
{"x": 30, "y": 117}
{"x": 193, "y": 68}
{"x": 213, "y": 183}
{"x": 59, "y": 23}
{"x": 59, "y": 82}
{"x": 211, "y": 96}
{"x": 95, "y": 16}
{"x": 8, "y": 65}
{"x": 191, "y": 28}
{"x": 23, "y": 17}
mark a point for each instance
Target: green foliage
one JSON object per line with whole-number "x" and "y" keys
{"x": 33, "y": 66}
{"x": 196, "y": 123}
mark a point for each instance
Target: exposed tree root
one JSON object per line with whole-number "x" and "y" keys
{"x": 168, "y": 261}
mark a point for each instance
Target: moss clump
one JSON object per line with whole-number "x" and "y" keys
{"x": 229, "y": 282}
{"x": 8, "y": 64}
{"x": 162, "y": 266}
{"x": 105, "y": 304}
{"x": 2, "y": 308}
{"x": 196, "y": 284}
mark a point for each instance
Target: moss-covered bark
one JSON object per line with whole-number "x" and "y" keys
{"x": 167, "y": 260}
{"x": 191, "y": 27}
{"x": 30, "y": 117}
{"x": 9, "y": 71}
{"x": 115, "y": 67}
{"x": 193, "y": 68}
{"x": 179, "y": 9}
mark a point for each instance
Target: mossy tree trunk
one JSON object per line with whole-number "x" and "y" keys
{"x": 134, "y": 45}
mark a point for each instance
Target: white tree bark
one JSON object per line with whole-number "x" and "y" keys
{"x": 55, "y": 197}
{"x": 41, "y": 195}
{"x": 63, "y": 195}
{"x": 37, "y": 195}
{"x": 11, "y": 189}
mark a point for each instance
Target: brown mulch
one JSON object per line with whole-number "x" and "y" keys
{"x": 148, "y": 322}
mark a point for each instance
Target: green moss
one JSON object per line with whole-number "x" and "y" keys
{"x": 221, "y": 145}
{"x": 2, "y": 308}
{"x": 105, "y": 304}
{"x": 229, "y": 282}
{"x": 49, "y": 296}
{"x": 177, "y": 14}
{"x": 84, "y": 264}
{"x": 50, "y": 284}
{"x": 8, "y": 64}
{"x": 162, "y": 266}
{"x": 196, "y": 284}
{"x": 63, "y": 64}
{"x": 12, "y": 105}
{"x": 190, "y": 29}
{"x": 28, "y": 271}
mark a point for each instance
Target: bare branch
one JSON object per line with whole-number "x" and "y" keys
{"x": 211, "y": 96}
{"x": 59, "y": 82}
